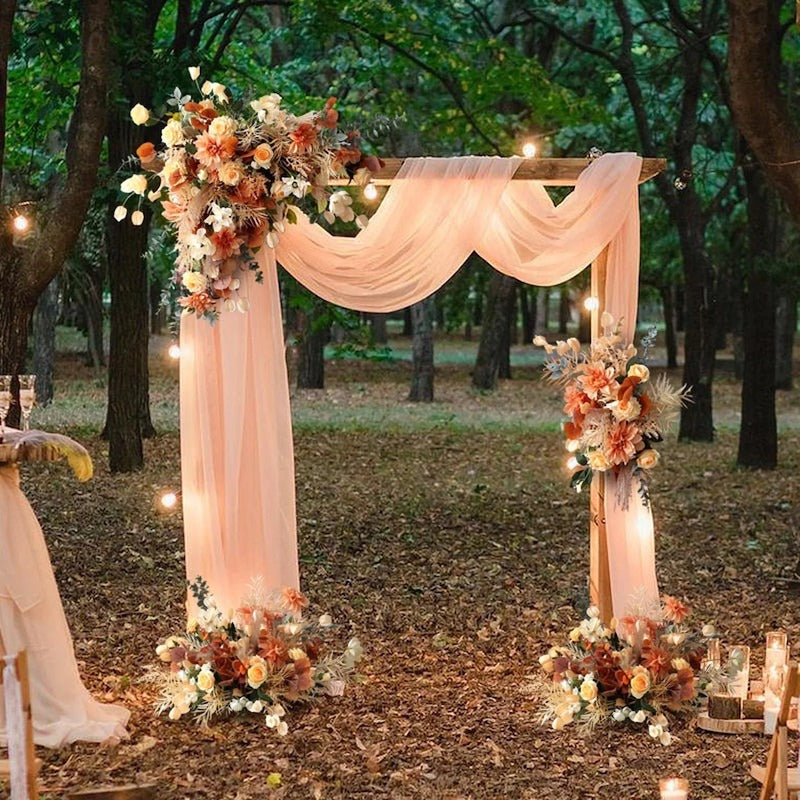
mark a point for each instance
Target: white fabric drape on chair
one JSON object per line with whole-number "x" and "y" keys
{"x": 238, "y": 487}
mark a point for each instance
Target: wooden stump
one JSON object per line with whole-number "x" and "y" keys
{"x": 724, "y": 706}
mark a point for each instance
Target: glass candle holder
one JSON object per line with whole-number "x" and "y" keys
{"x": 775, "y": 658}
{"x": 739, "y": 663}
{"x": 5, "y": 401}
{"x": 714, "y": 654}
{"x": 27, "y": 398}
{"x": 674, "y": 788}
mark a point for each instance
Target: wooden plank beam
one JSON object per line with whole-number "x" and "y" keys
{"x": 550, "y": 171}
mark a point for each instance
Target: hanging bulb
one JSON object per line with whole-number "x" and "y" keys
{"x": 572, "y": 462}
{"x": 371, "y": 192}
{"x": 591, "y": 303}
{"x": 529, "y": 149}
{"x": 174, "y": 351}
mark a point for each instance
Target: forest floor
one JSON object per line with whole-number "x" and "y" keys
{"x": 444, "y": 537}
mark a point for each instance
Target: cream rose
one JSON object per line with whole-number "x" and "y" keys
{"x": 257, "y": 672}
{"x": 598, "y": 461}
{"x": 639, "y": 371}
{"x": 640, "y": 682}
{"x": 648, "y": 458}
{"x": 588, "y": 691}
{"x": 630, "y": 411}
{"x": 172, "y": 135}
{"x": 139, "y": 114}
{"x": 575, "y": 635}
{"x": 230, "y": 173}
{"x": 194, "y": 281}
{"x": 222, "y": 127}
{"x": 205, "y": 680}
{"x": 136, "y": 184}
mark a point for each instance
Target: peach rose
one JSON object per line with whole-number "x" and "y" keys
{"x": 648, "y": 458}
{"x": 230, "y": 173}
{"x": 588, "y": 691}
{"x": 598, "y": 460}
{"x": 257, "y": 671}
{"x": 640, "y": 682}
{"x": 263, "y": 155}
{"x": 194, "y": 281}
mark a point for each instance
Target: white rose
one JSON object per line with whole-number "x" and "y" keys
{"x": 172, "y": 135}
{"x": 205, "y": 680}
{"x": 639, "y": 371}
{"x": 136, "y": 184}
{"x": 194, "y": 281}
{"x": 139, "y": 114}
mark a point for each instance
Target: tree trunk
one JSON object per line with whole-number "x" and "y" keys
{"x": 668, "y": 304}
{"x": 91, "y": 297}
{"x": 527, "y": 302}
{"x": 785, "y": 328}
{"x": 26, "y": 271}
{"x": 422, "y": 314}
{"x": 494, "y": 335}
{"x": 44, "y": 341}
{"x": 564, "y": 310}
{"x": 377, "y": 324}
{"x": 758, "y": 435}
{"x": 408, "y": 327}
{"x": 312, "y": 335}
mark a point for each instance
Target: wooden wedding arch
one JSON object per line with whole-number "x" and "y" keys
{"x": 565, "y": 172}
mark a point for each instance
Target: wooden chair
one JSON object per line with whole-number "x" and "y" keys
{"x": 777, "y": 777}
{"x": 22, "y": 766}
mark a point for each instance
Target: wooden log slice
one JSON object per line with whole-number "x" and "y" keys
{"x": 724, "y": 706}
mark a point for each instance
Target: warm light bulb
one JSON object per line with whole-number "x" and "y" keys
{"x": 591, "y": 304}
{"x": 169, "y": 500}
{"x": 21, "y": 223}
{"x": 529, "y": 149}
{"x": 572, "y": 462}
{"x": 371, "y": 191}
{"x": 174, "y": 351}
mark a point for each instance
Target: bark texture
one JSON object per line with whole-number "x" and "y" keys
{"x": 422, "y": 314}
{"x": 493, "y": 346}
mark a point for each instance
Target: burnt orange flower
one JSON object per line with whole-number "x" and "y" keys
{"x": 573, "y": 430}
{"x": 146, "y": 152}
{"x": 212, "y": 152}
{"x": 656, "y": 659}
{"x": 226, "y": 243}
{"x": 293, "y": 600}
{"x": 299, "y": 676}
{"x": 675, "y": 610}
{"x": 330, "y": 116}
{"x": 685, "y": 689}
{"x": 303, "y": 138}
{"x": 272, "y": 650}
{"x": 199, "y": 302}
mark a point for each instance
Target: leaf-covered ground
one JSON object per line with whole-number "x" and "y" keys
{"x": 445, "y": 538}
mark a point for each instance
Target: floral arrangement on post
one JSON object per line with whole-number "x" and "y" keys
{"x": 616, "y": 413}
{"x": 631, "y": 671}
{"x": 228, "y": 179}
{"x": 260, "y": 659}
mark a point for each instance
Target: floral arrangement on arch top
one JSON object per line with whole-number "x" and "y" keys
{"x": 228, "y": 179}
{"x": 617, "y": 414}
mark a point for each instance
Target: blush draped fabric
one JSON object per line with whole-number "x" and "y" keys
{"x": 236, "y": 448}
{"x": 32, "y": 619}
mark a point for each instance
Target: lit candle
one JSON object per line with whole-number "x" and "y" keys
{"x": 674, "y": 788}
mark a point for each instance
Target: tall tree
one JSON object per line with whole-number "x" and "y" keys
{"x": 28, "y": 265}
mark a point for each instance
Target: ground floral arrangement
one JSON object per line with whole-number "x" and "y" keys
{"x": 617, "y": 414}
{"x": 634, "y": 671}
{"x": 229, "y": 177}
{"x": 262, "y": 659}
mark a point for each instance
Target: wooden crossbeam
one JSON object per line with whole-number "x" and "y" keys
{"x": 550, "y": 171}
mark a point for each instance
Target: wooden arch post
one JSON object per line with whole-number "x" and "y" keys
{"x": 565, "y": 172}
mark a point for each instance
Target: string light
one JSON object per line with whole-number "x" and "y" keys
{"x": 529, "y": 149}
{"x": 20, "y": 223}
{"x": 169, "y": 500}
{"x": 572, "y": 462}
{"x": 174, "y": 351}
{"x": 371, "y": 191}
{"x": 591, "y": 303}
